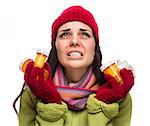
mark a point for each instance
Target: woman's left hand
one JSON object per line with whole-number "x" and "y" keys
{"x": 112, "y": 91}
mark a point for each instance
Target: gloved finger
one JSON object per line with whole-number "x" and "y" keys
{"x": 41, "y": 76}
{"x": 47, "y": 67}
{"x": 48, "y": 70}
{"x": 33, "y": 79}
{"x": 127, "y": 75}
{"x": 34, "y": 73}
{"x": 28, "y": 71}
{"x": 128, "y": 78}
{"x": 111, "y": 80}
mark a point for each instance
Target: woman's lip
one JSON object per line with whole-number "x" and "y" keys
{"x": 74, "y": 57}
{"x": 75, "y": 51}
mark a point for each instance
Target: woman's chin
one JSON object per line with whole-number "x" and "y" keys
{"x": 75, "y": 65}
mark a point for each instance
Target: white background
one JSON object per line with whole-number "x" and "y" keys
{"x": 124, "y": 34}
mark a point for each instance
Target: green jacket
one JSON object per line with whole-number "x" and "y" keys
{"x": 35, "y": 113}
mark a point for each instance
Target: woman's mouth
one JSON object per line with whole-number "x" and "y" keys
{"x": 75, "y": 54}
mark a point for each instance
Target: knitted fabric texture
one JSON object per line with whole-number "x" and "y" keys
{"x": 75, "y": 13}
{"x": 95, "y": 106}
{"x": 51, "y": 112}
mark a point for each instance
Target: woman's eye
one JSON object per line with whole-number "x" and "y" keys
{"x": 64, "y": 35}
{"x": 85, "y": 34}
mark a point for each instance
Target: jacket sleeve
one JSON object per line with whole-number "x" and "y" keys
{"x": 27, "y": 113}
{"x": 125, "y": 111}
{"x": 35, "y": 113}
{"x": 100, "y": 113}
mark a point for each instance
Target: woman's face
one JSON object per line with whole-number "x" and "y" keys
{"x": 75, "y": 45}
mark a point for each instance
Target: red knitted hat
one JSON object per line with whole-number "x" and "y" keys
{"x": 75, "y": 13}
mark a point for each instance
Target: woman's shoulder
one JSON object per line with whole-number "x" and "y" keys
{"x": 126, "y": 101}
{"x": 28, "y": 95}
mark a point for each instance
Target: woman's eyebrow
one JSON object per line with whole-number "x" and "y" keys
{"x": 64, "y": 30}
{"x": 81, "y": 29}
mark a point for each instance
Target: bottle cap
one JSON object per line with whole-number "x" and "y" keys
{"x": 103, "y": 67}
{"x": 43, "y": 51}
{"x": 23, "y": 61}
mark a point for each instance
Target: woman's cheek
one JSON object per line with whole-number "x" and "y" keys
{"x": 91, "y": 54}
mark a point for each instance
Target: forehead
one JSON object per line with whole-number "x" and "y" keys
{"x": 74, "y": 25}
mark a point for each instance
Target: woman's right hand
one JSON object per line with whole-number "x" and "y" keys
{"x": 41, "y": 88}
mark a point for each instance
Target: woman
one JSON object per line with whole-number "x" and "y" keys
{"x": 76, "y": 92}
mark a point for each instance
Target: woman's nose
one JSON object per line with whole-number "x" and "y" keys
{"x": 74, "y": 41}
